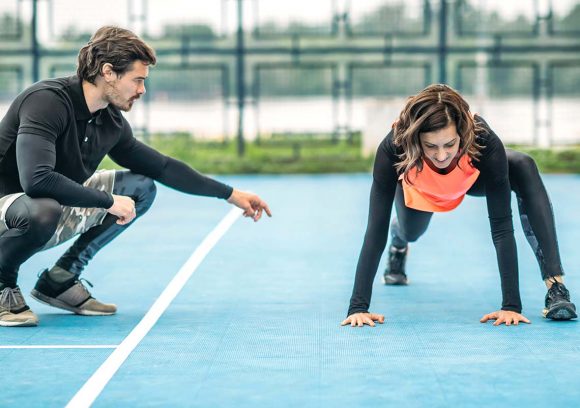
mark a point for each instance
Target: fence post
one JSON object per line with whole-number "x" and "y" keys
{"x": 241, "y": 92}
{"x": 443, "y": 42}
{"x": 34, "y": 44}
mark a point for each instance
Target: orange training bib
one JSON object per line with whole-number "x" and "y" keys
{"x": 434, "y": 192}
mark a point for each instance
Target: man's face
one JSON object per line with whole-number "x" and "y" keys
{"x": 128, "y": 87}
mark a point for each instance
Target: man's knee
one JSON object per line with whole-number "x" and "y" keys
{"x": 137, "y": 186}
{"x": 147, "y": 190}
{"x": 42, "y": 217}
{"x": 149, "y": 187}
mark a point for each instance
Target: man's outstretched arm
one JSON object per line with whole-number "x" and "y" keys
{"x": 142, "y": 159}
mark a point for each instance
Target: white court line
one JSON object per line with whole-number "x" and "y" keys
{"x": 94, "y": 386}
{"x": 72, "y": 346}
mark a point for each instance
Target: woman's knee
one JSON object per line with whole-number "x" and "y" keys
{"x": 524, "y": 175}
{"x": 413, "y": 236}
{"x": 409, "y": 232}
{"x": 521, "y": 163}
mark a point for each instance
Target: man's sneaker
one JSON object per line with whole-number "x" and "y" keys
{"x": 558, "y": 305}
{"x": 71, "y": 295}
{"x": 395, "y": 271}
{"x": 13, "y": 309}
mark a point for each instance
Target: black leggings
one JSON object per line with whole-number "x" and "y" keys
{"x": 534, "y": 206}
{"x": 31, "y": 223}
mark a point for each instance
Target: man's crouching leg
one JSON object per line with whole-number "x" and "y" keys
{"x": 61, "y": 285}
{"x": 28, "y": 223}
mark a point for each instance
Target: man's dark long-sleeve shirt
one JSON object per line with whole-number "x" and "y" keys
{"x": 493, "y": 169}
{"x": 50, "y": 144}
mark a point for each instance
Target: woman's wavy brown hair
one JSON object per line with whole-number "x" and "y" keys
{"x": 116, "y": 46}
{"x": 432, "y": 109}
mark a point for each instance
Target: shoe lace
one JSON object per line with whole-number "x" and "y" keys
{"x": 80, "y": 281}
{"x": 11, "y": 298}
{"x": 558, "y": 290}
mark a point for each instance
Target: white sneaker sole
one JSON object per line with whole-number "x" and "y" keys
{"x": 393, "y": 282}
{"x": 26, "y": 323}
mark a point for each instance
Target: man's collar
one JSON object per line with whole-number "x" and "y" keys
{"x": 78, "y": 98}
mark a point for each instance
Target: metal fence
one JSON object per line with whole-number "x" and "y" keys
{"x": 253, "y": 68}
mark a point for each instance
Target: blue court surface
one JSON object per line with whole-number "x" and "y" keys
{"x": 256, "y": 324}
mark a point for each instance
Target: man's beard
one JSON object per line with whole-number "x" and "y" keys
{"x": 115, "y": 99}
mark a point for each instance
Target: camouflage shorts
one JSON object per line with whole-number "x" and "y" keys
{"x": 6, "y": 202}
{"x": 74, "y": 220}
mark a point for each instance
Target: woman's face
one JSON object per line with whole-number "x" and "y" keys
{"x": 441, "y": 146}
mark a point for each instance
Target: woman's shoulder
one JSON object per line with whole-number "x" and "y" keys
{"x": 492, "y": 147}
{"x": 484, "y": 134}
{"x": 388, "y": 146}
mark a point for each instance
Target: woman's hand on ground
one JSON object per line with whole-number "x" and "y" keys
{"x": 360, "y": 319}
{"x": 506, "y": 317}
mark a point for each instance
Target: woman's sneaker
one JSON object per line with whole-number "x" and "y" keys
{"x": 395, "y": 271}
{"x": 13, "y": 309}
{"x": 71, "y": 295}
{"x": 558, "y": 305}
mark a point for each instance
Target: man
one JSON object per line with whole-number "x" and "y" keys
{"x": 52, "y": 139}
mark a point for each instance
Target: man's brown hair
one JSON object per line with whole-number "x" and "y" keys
{"x": 116, "y": 46}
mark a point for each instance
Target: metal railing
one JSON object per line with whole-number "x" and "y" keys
{"x": 249, "y": 56}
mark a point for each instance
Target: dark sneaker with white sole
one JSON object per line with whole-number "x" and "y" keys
{"x": 71, "y": 295}
{"x": 558, "y": 305}
{"x": 14, "y": 312}
{"x": 395, "y": 271}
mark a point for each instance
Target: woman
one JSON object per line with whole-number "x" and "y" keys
{"x": 436, "y": 153}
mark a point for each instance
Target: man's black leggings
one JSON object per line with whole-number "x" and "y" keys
{"x": 31, "y": 223}
{"x": 534, "y": 206}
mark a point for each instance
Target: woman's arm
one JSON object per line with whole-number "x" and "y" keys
{"x": 494, "y": 170}
{"x": 375, "y": 239}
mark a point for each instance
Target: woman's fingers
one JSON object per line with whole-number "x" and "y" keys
{"x": 360, "y": 319}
